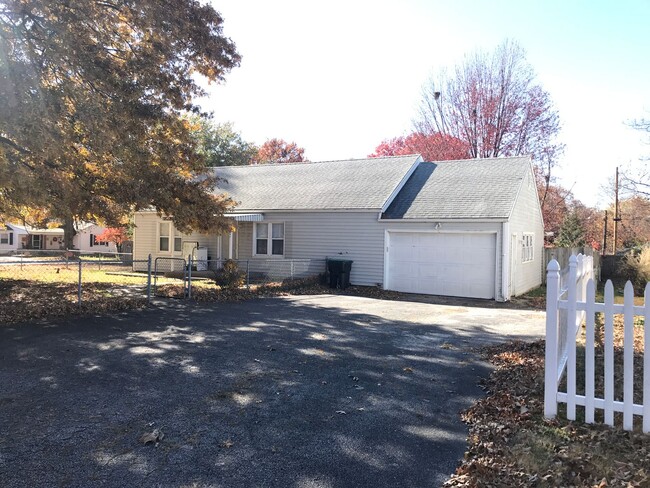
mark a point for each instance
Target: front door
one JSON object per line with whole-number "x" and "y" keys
{"x": 36, "y": 241}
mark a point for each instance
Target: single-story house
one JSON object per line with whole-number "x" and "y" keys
{"x": 470, "y": 228}
{"x": 15, "y": 237}
{"x": 86, "y": 239}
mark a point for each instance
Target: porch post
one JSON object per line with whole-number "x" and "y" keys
{"x": 230, "y": 242}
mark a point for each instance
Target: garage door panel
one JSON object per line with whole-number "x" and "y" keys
{"x": 453, "y": 264}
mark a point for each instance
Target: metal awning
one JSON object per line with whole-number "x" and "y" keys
{"x": 245, "y": 217}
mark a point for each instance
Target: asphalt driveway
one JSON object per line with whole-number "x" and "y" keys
{"x": 316, "y": 391}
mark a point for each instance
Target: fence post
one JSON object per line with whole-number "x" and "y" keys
{"x": 550, "y": 380}
{"x": 149, "y": 280}
{"x": 571, "y": 330}
{"x": 189, "y": 276}
{"x": 79, "y": 285}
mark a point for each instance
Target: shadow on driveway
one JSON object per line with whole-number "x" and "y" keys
{"x": 272, "y": 392}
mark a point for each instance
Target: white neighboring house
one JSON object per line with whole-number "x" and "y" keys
{"x": 470, "y": 228}
{"x": 16, "y": 237}
{"x": 86, "y": 239}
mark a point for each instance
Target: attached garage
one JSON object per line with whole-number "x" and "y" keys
{"x": 460, "y": 264}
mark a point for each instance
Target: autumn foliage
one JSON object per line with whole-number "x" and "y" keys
{"x": 118, "y": 235}
{"x": 432, "y": 147}
{"x": 279, "y": 151}
{"x": 93, "y": 101}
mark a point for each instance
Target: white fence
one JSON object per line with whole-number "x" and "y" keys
{"x": 570, "y": 301}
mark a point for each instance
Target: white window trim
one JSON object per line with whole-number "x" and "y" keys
{"x": 528, "y": 252}
{"x": 7, "y": 237}
{"x": 269, "y": 244}
{"x": 173, "y": 235}
{"x": 169, "y": 236}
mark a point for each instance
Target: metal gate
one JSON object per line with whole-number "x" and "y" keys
{"x": 170, "y": 277}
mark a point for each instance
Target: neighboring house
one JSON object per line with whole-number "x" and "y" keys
{"x": 86, "y": 239}
{"x": 469, "y": 228}
{"x": 15, "y": 237}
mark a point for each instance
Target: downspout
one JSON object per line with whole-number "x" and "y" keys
{"x": 505, "y": 262}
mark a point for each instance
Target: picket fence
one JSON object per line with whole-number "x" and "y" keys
{"x": 570, "y": 302}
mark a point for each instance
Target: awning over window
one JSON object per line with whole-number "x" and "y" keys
{"x": 251, "y": 217}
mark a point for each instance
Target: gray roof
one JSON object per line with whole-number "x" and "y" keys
{"x": 330, "y": 185}
{"x": 467, "y": 189}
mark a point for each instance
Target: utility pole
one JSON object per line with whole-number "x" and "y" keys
{"x": 605, "y": 235}
{"x": 617, "y": 217}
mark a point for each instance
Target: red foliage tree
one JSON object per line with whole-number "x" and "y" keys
{"x": 494, "y": 103}
{"x": 118, "y": 235}
{"x": 279, "y": 151}
{"x": 432, "y": 147}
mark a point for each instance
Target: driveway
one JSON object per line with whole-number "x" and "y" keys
{"x": 314, "y": 391}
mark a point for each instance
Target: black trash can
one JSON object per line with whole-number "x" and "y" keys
{"x": 339, "y": 272}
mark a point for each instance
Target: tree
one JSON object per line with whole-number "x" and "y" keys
{"x": 93, "y": 93}
{"x": 571, "y": 232}
{"x": 118, "y": 235}
{"x": 279, "y": 151}
{"x": 432, "y": 147}
{"x": 636, "y": 181}
{"x": 494, "y": 104}
{"x": 221, "y": 145}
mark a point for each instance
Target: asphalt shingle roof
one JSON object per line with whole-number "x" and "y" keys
{"x": 467, "y": 189}
{"x": 335, "y": 185}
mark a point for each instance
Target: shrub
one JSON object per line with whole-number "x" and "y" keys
{"x": 638, "y": 266}
{"x": 230, "y": 276}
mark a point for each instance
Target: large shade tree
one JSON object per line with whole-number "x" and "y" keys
{"x": 494, "y": 103}
{"x": 91, "y": 98}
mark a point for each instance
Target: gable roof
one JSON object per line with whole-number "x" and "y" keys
{"x": 465, "y": 189}
{"x": 356, "y": 184}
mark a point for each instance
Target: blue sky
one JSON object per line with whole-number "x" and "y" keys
{"x": 337, "y": 77}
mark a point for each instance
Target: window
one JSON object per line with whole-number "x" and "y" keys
{"x": 527, "y": 248}
{"x": 269, "y": 239}
{"x": 4, "y": 238}
{"x": 178, "y": 244}
{"x": 163, "y": 236}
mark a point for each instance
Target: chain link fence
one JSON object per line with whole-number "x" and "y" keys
{"x": 57, "y": 277}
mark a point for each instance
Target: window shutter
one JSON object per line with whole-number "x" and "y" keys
{"x": 11, "y": 238}
{"x": 92, "y": 240}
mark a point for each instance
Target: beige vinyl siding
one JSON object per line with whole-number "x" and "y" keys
{"x": 318, "y": 235}
{"x": 145, "y": 240}
{"x": 526, "y": 218}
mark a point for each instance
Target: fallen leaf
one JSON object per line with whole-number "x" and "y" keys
{"x": 154, "y": 436}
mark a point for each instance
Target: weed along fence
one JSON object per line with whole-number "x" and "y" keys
{"x": 189, "y": 273}
{"x": 591, "y": 367}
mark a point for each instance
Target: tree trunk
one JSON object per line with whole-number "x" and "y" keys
{"x": 68, "y": 228}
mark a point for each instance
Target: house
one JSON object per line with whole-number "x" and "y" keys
{"x": 470, "y": 228}
{"x": 86, "y": 239}
{"x": 15, "y": 237}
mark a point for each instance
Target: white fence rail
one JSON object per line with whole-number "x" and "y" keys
{"x": 570, "y": 303}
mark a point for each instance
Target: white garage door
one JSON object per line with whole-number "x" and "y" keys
{"x": 452, "y": 264}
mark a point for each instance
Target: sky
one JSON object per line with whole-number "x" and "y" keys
{"x": 338, "y": 77}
